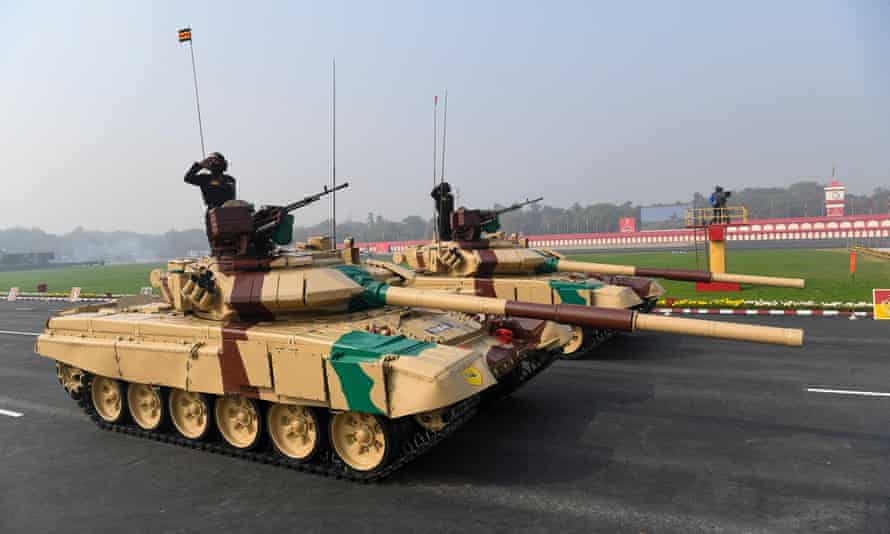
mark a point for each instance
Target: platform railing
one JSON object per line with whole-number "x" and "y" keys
{"x": 700, "y": 217}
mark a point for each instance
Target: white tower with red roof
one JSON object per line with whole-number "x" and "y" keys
{"x": 834, "y": 199}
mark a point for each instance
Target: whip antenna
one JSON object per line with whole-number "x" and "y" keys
{"x": 334, "y": 153}
{"x": 435, "y": 142}
{"x": 444, "y": 132}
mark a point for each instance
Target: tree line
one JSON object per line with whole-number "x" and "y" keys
{"x": 798, "y": 200}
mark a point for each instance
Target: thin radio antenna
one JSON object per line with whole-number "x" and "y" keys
{"x": 334, "y": 152}
{"x": 444, "y": 132}
{"x": 435, "y": 135}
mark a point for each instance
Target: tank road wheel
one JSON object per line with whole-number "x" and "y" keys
{"x": 190, "y": 413}
{"x": 578, "y": 341}
{"x": 295, "y": 430}
{"x": 365, "y": 442}
{"x": 434, "y": 421}
{"x": 71, "y": 379}
{"x": 147, "y": 406}
{"x": 239, "y": 421}
{"x": 107, "y": 395}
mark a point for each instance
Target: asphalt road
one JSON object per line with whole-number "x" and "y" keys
{"x": 660, "y": 434}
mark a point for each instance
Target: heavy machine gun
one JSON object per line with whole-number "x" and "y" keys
{"x": 468, "y": 225}
{"x": 235, "y": 229}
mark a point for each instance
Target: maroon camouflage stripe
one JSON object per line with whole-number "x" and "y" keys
{"x": 500, "y": 359}
{"x": 247, "y": 295}
{"x": 488, "y": 262}
{"x": 484, "y": 287}
{"x": 615, "y": 319}
{"x": 234, "y": 374}
{"x": 526, "y": 330}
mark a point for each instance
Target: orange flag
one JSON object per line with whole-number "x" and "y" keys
{"x": 852, "y": 262}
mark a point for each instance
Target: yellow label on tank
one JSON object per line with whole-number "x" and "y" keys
{"x": 472, "y": 376}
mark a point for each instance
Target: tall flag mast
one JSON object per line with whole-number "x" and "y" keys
{"x": 185, "y": 36}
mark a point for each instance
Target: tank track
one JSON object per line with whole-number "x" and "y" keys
{"x": 528, "y": 369}
{"x": 414, "y": 441}
{"x": 593, "y": 338}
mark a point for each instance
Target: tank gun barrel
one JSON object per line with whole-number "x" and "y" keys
{"x": 612, "y": 318}
{"x": 559, "y": 265}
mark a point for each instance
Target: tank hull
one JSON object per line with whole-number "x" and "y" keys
{"x": 403, "y": 368}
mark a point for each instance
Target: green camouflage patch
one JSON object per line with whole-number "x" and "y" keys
{"x": 549, "y": 265}
{"x": 570, "y": 292}
{"x": 374, "y": 295}
{"x": 357, "y": 347}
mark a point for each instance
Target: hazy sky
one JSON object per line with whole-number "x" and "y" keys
{"x": 575, "y": 101}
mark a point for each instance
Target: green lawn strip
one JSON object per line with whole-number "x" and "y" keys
{"x": 826, "y": 272}
{"x": 91, "y": 279}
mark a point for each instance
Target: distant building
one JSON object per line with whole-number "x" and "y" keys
{"x": 834, "y": 199}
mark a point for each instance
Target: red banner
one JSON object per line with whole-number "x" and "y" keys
{"x": 852, "y": 262}
{"x": 627, "y": 225}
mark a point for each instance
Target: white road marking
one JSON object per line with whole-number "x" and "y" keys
{"x": 14, "y": 333}
{"x": 849, "y": 392}
{"x": 10, "y": 413}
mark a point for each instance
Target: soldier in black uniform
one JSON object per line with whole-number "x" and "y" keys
{"x": 444, "y": 207}
{"x": 217, "y": 187}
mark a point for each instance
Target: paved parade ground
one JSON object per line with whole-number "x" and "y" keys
{"x": 653, "y": 434}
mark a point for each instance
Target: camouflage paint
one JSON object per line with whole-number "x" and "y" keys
{"x": 488, "y": 262}
{"x": 570, "y": 292}
{"x": 549, "y": 265}
{"x": 284, "y": 232}
{"x": 231, "y": 364}
{"x": 374, "y": 295}
{"x": 354, "y": 348}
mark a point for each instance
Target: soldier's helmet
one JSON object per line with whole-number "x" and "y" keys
{"x": 217, "y": 162}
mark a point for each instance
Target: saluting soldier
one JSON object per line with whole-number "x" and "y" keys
{"x": 217, "y": 187}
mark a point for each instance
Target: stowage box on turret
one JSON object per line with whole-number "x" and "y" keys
{"x": 309, "y": 360}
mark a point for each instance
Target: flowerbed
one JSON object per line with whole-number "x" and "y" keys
{"x": 738, "y": 304}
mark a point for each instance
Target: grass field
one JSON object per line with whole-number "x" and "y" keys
{"x": 826, "y": 272}
{"x": 91, "y": 279}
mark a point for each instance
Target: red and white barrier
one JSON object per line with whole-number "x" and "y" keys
{"x": 791, "y": 229}
{"x": 733, "y": 311}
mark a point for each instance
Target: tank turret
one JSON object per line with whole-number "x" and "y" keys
{"x": 506, "y": 256}
{"x": 475, "y": 236}
{"x": 295, "y": 284}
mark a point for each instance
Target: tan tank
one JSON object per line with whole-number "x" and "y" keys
{"x": 498, "y": 266}
{"x": 309, "y": 360}
{"x": 474, "y": 257}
